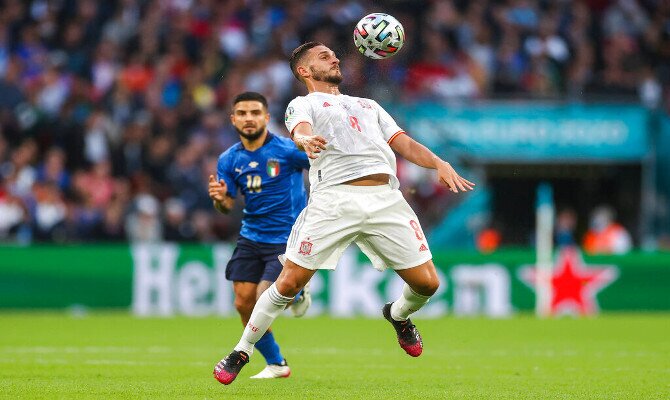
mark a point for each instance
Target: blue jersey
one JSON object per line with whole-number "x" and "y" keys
{"x": 270, "y": 178}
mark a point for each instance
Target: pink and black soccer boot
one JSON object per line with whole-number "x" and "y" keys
{"x": 227, "y": 369}
{"x": 408, "y": 336}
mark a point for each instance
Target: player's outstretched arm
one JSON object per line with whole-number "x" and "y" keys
{"x": 217, "y": 192}
{"x": 306, "y": 140}
{"x": 415, "y": 152}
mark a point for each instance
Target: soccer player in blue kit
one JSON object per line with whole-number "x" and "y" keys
{"x": 267, "y": 169}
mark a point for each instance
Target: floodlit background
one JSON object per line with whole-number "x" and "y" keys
{"x": 113, "y": 114}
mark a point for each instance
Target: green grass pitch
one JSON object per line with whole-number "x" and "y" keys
{"x": 110, "y": 356}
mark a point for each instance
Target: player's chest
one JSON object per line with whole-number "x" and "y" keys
{"x": 350, "y": 111}
{"x": 346, "y": 117}
{"x": 254, "y": 173}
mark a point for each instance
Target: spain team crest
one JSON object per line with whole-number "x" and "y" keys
{"x": 273, "y": 168}
{"x": 305, "y": 248}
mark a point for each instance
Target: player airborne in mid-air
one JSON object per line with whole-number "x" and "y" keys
{"x": 354, "y": 197}
{"x": 267, "y": 169}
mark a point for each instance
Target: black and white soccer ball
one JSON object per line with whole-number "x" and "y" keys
{"x": 379, "y": 36}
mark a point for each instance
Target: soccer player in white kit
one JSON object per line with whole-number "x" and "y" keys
{"x": 354, "y": 197}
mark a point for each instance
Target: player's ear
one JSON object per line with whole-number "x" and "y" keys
{"x": 302, "y": 71}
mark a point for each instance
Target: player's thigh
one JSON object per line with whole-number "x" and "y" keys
{"x": 392, "y": 237}
{"x": 246, "y": 264}
{"x": 324, "y": 229}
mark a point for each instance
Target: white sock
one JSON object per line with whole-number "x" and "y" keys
{"x": 408, "y": 303}
{"x": 268, "y": 307}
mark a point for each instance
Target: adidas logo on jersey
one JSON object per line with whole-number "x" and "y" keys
{"x": 326, "y": 104}
{"x": 423, "y": 247}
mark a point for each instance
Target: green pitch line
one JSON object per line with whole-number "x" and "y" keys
{"x": 115, "y": 356}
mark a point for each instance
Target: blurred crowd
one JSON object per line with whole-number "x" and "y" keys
{"x": 113, "y": 113}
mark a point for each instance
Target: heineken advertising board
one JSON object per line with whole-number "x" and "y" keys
{"x": 170, "y": 279}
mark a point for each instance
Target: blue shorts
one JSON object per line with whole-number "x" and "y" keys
{"x": 254, "y": 261}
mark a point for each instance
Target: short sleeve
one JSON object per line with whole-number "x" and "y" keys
{"x": 298, "y": 111}
{"x": 223, "y": 171}
{"x": 390, "y": 129}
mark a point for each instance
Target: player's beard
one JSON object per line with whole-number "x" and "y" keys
{"x": 330, "y": 76}
{"x": 253, "y": 136}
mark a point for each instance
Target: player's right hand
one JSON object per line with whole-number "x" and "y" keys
{"x": 312, "y": 144}
{"x": 217, "y": 190}
{"x": 449, "y": 177}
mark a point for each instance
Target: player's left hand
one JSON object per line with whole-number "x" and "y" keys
{"x": 311, "y": 144}
{"x": 448, "y": 176}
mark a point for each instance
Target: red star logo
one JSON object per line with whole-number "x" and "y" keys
{"x": 573, "y": 286}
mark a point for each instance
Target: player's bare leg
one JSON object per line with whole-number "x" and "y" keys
{"x": 421, "y": 283}
{"x": 245, "y": 298}
{"x": 303, "y": 300}
{"x": 268, "y": 306}
{"x": 293, "y": 278}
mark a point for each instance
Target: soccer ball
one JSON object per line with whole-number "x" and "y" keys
{"x": 379, "y": 36}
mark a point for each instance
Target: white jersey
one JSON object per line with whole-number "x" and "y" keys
{"x": 358, "y": 132}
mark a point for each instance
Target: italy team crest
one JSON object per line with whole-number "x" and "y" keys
{"x": 273, "y": 168}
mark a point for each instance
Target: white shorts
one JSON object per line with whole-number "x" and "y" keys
{"x": 376, "y": 218}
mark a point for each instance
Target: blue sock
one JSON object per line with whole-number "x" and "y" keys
{"x": 269, "y": 349}
{"x": 297, "y": 296}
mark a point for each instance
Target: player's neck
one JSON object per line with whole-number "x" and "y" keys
{"x": 323, "y": 87}
{"x": 252, "y": 145}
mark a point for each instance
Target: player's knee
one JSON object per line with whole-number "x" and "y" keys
{"x": 427, "y": 288}
{"x": 287, "y": 286}
{"x": 244, "y": 305}
{"x": 433, "y": 286}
